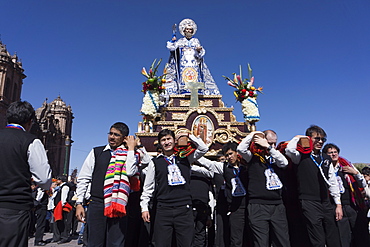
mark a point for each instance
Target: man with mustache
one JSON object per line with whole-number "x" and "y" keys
{"x": 108, "y": 170}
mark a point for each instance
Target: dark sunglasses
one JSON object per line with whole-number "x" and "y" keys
{"x": 114, "y": 134}
{"x": 323, "y": 139}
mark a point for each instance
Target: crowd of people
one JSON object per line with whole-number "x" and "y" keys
{"x": 254, "y": 193}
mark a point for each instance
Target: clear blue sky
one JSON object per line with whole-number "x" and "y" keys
{"x": 311, "y": 56}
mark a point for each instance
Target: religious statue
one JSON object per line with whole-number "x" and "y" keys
{"x": 186, "y": 70}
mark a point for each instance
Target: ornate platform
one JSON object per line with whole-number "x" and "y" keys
{"x": 211, "y": 120}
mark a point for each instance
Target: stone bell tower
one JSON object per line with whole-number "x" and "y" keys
{"x": 11, "y": 81}
{"x": 54, "y": 130}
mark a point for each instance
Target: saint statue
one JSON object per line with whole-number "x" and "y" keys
{"x": 186, "y": 70}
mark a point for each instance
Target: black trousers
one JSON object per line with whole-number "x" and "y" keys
{"x": 353, "y": 227}
{"x": 237, "y": 227}
{"x": 266, "y": 217}
{"x": 104, "y": 231}
{"x": 40, "y": 223}
{"x": 178, "y": 220}
{"x": 62, "y": 228}
{"x": 201, "y": 213}
{"x": 321, "y": 225}
{"x": 14, "y": 225}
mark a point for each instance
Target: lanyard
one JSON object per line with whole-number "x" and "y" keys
{"x": 170, "y": 160}
{"x": 237, "y": 171}
{"x": 313, "y": 159}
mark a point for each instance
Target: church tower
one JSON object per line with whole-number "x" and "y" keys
{"x": 11, "y": 81}
{"x": 54, "y": 130}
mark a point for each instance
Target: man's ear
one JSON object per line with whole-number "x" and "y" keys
{"x": 27, "y": 126}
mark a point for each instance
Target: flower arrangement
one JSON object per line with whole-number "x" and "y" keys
{"x": 152, "y": 88}
{"x": 246, "y": 93}
{"x": 154, "y": 83}
{"x": 244, "y": 88}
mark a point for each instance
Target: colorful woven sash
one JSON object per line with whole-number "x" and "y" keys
{"x": 117, "y": 184}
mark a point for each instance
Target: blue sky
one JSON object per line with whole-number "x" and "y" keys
{"x": 311, "y": 56}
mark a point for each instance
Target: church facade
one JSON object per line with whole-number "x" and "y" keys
{"x": 11, "y": 81}
{"x": 53, "y": 120}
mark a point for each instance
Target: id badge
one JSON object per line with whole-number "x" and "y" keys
{"x": 272, "y": 180}
{"x": 340, "y": 183}
{"x": 174, "y": 175}
{"x": 237, "y": 187}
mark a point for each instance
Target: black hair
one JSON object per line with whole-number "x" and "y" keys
{"x": 230, "y": 145}
{"x": 121, "y": 127}
{"x": 165, "y": 132}
{"x": 62, "y": 177}
{"x": 366, "y": 171}
{"x": 20, "y": 112}
{"x": 220, "y": 154}
{"x": 315, "y": 129}
{"x": 330, "y": 145}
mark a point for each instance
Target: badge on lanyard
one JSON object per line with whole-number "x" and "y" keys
{"x": 272, "y": 179}
{"x": 237, "y": 186}
{"x": 174, "y": 173}
{"x": 340, "y": 184}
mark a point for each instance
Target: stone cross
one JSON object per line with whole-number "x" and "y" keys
{"x": 193, "y": 87}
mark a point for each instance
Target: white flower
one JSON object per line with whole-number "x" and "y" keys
{"x": 150, "y": 104}
{"x": 250, "y": 109}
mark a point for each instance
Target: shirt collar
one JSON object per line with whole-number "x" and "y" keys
{"x": 15, "y": 126}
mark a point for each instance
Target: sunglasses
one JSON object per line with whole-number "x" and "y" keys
{"x": 323, "y": 139}
{"x": 114, "y": 134}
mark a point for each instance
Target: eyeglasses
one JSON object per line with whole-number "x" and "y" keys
{"x": 323, "y": 139}
{"x": 114, "y": 134}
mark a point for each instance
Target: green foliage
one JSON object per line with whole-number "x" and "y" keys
{"x": 359, "y": 166}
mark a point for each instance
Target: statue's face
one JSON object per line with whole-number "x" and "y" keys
{"x": 188, "y": 32}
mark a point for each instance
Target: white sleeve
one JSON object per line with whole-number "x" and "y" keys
{"x": 360, "y": 178}
{"x": 148, "y": 188}
{"x": 171, "y": 45}
{"x": 85, "y": 176}
{"x": 64, "y": 196}
{"x": 334, "y": 186}
{"x": 243, "y": 148}
{"x": 40, "y": 193}
{"x": 145, "y": 157}
{"x": 203, "y": 170}
{"x": 39, "y": 166}
{"x": 201, "y": 150}
{"x": 215, "y": 166}
{"x": 279, "y": 158}
{"x": 131, "y": 163}
{"x": 291, "y": 150}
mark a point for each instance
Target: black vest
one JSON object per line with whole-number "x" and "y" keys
{"x": 257, "y": 192}
{"x": 168, "y": 195}
{"x": 230, "y": 173}
{"x": 58, "y": 197}
{"x": 345, "y": 197}
{"x": 311, "y": 184}
{"x": 102, "y": 159}
{"x": 15, "y": 175}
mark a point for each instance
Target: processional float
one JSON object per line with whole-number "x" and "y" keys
{"x": 186, "y": 98}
